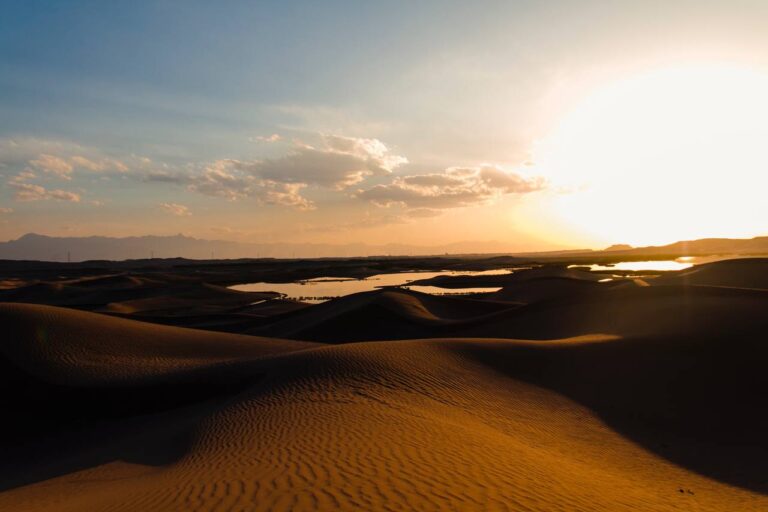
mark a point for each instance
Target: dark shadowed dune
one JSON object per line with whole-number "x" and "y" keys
{"x": 162, "y": 298}
{"x": 620, "y": 310}
{"x": 512, "y": 279}
{"x": 631, "y": 311}
{"x": 381, "y": 315}
{"x": 537, "y": 289}
{"x": 739, "y": 273}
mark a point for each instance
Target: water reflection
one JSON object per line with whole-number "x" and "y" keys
{"x": 661, "y": 265}
{"x": 321, "y": 289}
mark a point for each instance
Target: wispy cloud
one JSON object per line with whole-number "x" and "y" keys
{"x": 176, "y": 209}
{"x": 275, "y": 137}
{"x": 31, "y": 192}
{"x": 60, "y": 159}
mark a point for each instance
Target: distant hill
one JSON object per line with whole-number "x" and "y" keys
{"x": 46, "y": 248}
{"x": 702, "y": 247}
{"x": 619, "y": 247}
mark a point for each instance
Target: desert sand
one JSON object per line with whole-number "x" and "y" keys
{"x": 558, "y": 392}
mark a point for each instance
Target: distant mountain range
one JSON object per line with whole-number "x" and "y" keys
{"x": 46, "y": 248}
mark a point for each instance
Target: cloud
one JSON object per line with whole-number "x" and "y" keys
{"x": 100, "y": 165}
{"x": 163, "y": 176}
{"x": 53, "y": 165}
{"x": 23, "y": 176}
{"x": 422, "y": 213}
{"x": 6, "y": 210}
{"x": 335, "y": 162}
{"x": 454, "y": 188}
{"x": 176, "y": 209}
{"x": 30, "y": 192}
{"x": 225, "y": 178}
{"x": 271, "y": 138}
{"x": 339, "y": 163}
{"x": 58, "y": 158}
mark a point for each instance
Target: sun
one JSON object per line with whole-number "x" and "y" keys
{"x": 670, "y": 154}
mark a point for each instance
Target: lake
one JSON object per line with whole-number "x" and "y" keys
{"x": 321, "y": 289}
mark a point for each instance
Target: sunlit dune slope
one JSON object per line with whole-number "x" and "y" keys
{"x": 597, "y": 423}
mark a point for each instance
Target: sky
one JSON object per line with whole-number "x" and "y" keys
{"x": 540, "y": 124}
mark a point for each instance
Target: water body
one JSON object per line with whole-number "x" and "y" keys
{"x": 321, "y": 289}
{"x": 661, "y": 265}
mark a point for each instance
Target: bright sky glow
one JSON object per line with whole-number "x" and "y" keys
{"x": 671, "y": 154}
{"x": 539, "y": 125}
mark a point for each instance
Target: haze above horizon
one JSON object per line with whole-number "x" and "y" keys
{"x": 542, "y": 125}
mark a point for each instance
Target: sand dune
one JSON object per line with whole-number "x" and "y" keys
{"x": 542, "y": 288}
{"x": 741, "y": 273}
{"x": 425, "y": 425}
{"x": 71, "y": 347}
{"x": 507, "y": 280}
{"x": 619, "y": 310}
{"x": 632, "y": 311}
{"x": 567, "y": 395}
{"x": 161, "y": 298}
{"x": 381, "y": 315}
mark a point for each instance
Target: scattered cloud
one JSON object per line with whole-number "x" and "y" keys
{"x": 176, "y": 209}
{"x": 225, "y": 178}
{"x": 25, "y": 175}
{"x": 333, "y": 162}
{"x": 6, "y": 210}
{"x": 53, "y": 165}
{"x": 58, "y": 158}
{"x": 30, "y": 192}
{"x": 339, "y": 163}
{"x": 455, "y": 187}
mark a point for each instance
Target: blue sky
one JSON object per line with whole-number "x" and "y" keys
{"x": 201, "y": 117}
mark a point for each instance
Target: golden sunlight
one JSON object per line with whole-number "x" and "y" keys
{"x": 671, "y": 154}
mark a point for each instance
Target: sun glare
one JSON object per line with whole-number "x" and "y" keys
{"x": 671, "y": 154}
